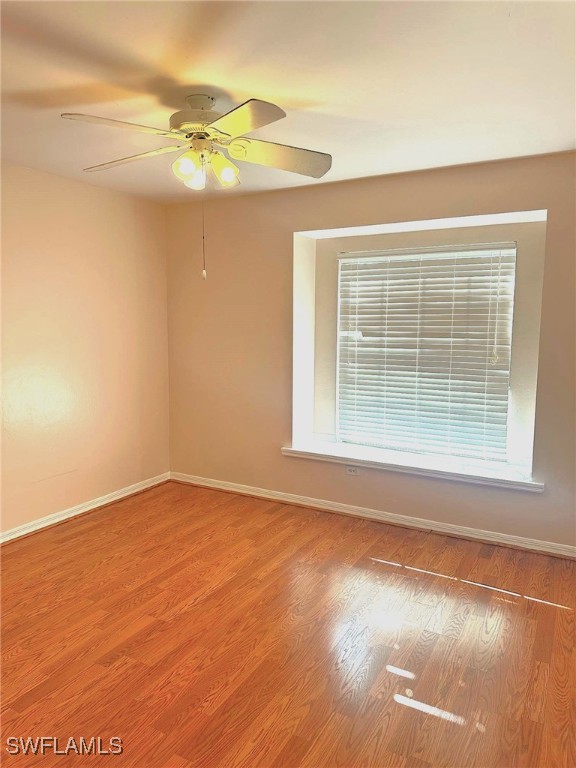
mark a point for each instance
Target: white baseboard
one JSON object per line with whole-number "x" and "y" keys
{"x": 504, "y": 539}
{"x": 79, "y": 509}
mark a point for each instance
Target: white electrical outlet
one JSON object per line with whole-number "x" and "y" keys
{"x": 352, "y": 471}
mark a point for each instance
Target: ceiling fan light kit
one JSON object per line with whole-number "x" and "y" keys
{"x": 191, "y": 167}
{"x": 208, "y": 137}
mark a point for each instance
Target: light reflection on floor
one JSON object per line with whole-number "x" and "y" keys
{"x": 400, "y": 672}
{"x": 377, "y": 612}
{"x": 472, "y": 583}
{"x": 428, "y": 709}
{"x": 374, "y": 610}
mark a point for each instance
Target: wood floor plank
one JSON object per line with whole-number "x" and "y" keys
{"x": 212, "y": 630}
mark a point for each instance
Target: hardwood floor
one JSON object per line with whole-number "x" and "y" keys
{"x": 208, "y": 629}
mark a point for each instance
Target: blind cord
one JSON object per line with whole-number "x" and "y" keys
{"x": 494, "y": 358}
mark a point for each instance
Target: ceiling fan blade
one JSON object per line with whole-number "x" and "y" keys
{"x": 247, "y": 117}
{"x": 121, "y": 124}
{"x": 304, "y": 161}
{"x": 113, "y": 163}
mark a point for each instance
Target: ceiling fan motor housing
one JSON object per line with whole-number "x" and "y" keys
{"x": 198, "y": 115}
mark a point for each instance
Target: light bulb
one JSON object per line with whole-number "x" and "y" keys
{"x": 198, "y": 179}
{"x": 185, "y": 166}
{"x": 225, "y": 171}
{"x": 227, "y": 175}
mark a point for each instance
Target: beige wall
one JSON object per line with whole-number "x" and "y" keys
{"x": 231, "y": 340}
{"x": 85, "y": 341}
{"x": 85, "y": 379}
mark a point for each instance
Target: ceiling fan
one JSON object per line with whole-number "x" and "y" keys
{"x": 203, "y": 133}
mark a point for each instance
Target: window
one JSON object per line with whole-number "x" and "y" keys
{"x": 424, "y": 351}
{"x": 415, "y": 353}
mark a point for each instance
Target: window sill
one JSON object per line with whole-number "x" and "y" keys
{"x": 362, "y": 456}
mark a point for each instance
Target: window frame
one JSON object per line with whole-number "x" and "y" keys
{"x": 315, "y": 250}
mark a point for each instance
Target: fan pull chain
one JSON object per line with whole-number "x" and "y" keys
{"x": 203, "y": 245}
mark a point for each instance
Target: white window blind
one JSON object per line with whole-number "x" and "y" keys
{"x": 424, "y": 350}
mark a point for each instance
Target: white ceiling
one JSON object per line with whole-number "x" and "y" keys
{"x": 382, "y": 86}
